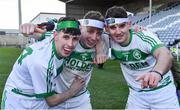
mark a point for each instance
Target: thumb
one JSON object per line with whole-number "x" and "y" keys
{"x": 94, "y": 61}
{"x": 39, "y": 30}
{"x": 140, "y": 77}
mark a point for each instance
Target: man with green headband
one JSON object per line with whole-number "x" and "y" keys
{"x": 33, "y": 77}
{"x": 81, "y": 61}
{"x": 145, "y": 63}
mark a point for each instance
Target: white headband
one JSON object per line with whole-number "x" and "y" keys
{"x": 112, "y": 21}
{"x": 92, "y": 22}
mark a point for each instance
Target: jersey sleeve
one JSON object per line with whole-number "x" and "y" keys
{"x": 105, "y": 39}
{"x": 41, "y": 74}
{"x": 41, "y": 80}
{"x": 150, "y": 41}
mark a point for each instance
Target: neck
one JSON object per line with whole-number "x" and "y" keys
{"x": 83, "y": 44}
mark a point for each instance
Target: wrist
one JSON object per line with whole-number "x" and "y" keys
{"x": 70, "y": 93}
{"x": 157, "y": 72}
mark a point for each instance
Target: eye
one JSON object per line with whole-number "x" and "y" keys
{"x": 76, "y": 38}
{"x": 66, "y": 37}
{"x": 122, "y": 25}
{"x": 90, "y": 31}
{"x": 113, "y": 27}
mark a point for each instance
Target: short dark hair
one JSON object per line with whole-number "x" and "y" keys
{"x": 96, "y": 15}
{"x": 116, "y": 12}
{"x": 71, "y": 31}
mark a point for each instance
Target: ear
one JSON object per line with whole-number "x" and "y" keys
{"x": 106, "y": 28}
{"x": 129, "y": 24}
{"x": 55, "y": 35}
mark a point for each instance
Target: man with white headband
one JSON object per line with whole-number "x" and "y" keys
{"x": 80, "y": 62}
{"x": 32, "y": 79}
{"x": 145, "y": 63}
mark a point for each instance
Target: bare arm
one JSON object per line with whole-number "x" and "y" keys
{"x": 163, "y": 65}
{"x": 164, "y": 60}
{"x": 101, "y": 55}
{"x": 76, "y": 86}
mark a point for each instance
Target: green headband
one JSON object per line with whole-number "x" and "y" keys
{"x": 67, "y": 24}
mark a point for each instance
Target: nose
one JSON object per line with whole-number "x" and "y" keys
{"x": 70, "y": 42}
{"x": 94, "y": 36}
{"x": 118, "y": 30}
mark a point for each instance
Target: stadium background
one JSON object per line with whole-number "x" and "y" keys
{"x": 108, "y": 88}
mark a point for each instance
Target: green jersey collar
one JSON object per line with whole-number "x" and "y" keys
{"x": 55, "y": 51}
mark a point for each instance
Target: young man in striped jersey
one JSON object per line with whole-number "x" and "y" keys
{"x": 145, "y": 63}
{"x": 32, "y": 79}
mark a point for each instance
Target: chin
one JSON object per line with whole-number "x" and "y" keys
{"x": 66, "y": 54}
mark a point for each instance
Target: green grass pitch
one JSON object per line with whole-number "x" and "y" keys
{"x": 107, "y": 86}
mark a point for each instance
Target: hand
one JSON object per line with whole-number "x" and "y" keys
{"x": 29, "y": 29}
{"x": 138, "y": 28}
{"x": 150, "y": 79}
{"x": 76, "y": 85}
{"x": 100, "y": 58}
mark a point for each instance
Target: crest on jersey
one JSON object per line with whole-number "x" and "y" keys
{"x": 84, "y": 56}
{"x": 137, "y": 54}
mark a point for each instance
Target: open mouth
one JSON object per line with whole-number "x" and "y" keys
{"x": 67, "y": 50}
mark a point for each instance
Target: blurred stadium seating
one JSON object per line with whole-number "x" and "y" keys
{"x": 165, "y": 23}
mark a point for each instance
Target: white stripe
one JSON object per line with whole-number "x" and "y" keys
{"x": 91, "y": 22}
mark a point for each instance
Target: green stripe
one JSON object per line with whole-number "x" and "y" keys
{"x": 3, "y": 100}
{"x": 43, "y": 95}
{"x": 145, "y": 39}
{"x": 59, "y": 70}
{"x": 49, "y": 70}
{"x": 150, "y": 38}
{"x": 156, "y": 47}
{"x": 55, "y": 51}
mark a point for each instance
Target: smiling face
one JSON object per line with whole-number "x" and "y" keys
{"x": 120, "y": 33}
{"x": 65, "y": 43}
{"x": 90, "y": 36}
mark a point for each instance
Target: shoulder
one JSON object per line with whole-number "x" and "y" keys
{"x": 146, "y": 33}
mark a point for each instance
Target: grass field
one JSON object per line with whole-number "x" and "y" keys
{"x": 107, "y": 86}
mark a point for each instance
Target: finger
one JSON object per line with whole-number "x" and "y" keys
{"x": 140, "y": 77}
{"x": 145, "y": 81}
{"x": 31, "y": 29}
{"x": 24, "y": 29}
{"x": 98, "y": 60}
{"x": 156, "y": 81}
{"x": 94, "y": 61}
{"x": 39, "y": 30}
{"x": 151, "y": 81}
{"x": 83, "y": 83}
{"x": 103, "y": 59}
{"x": 27, "y": 29}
